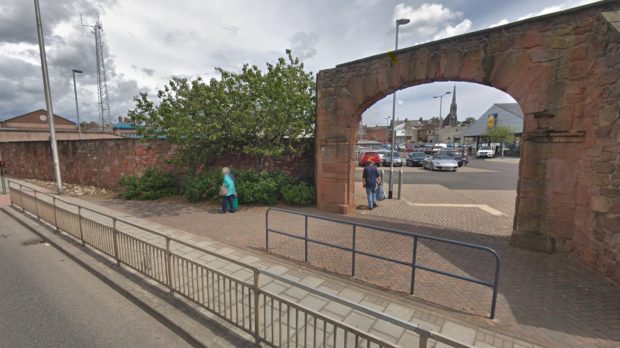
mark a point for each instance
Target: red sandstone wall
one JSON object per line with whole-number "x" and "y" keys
{"x": 102, "y": 162}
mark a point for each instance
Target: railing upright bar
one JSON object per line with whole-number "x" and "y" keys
{"x": 55, "y": 218}
{"x": 495, "y": 286}
{"x": 36, "y": 205}
{"x": 353, "y": 244}
{"x": 306, "y": 238}
{"x": 267, "y": 231}
{"x": 169, "y": 266}
{"x": 423, "y": 343}
{"x": 115, "y": 240}
{"x": 414, "y": 264}
{"x": 256, "y": 307}
{"x": 80, "y": 223}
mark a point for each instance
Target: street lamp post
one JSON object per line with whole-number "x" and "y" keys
{"x": 77, "y": 109}
{"x": 399, "y": 22}
{"x": 48, "y": 97}
{"x": 440, "y": 105}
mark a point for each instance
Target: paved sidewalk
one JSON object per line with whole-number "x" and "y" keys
{"x": 4, "y": 200}
{"x": 480, "y": 332}
{"x": 543, "y": 298}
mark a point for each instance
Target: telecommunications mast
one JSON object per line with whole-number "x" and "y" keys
{"x": 105, "y": 116}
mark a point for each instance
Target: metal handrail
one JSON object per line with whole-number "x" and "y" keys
{"x": 253, "y": 304}
{"x": 413, "y": 264}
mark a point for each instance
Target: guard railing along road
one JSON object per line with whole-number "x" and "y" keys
{"x": 413, "y": 264}
{"x": 269, "y": 318}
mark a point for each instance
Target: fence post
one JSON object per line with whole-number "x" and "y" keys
{"x": 413, "y": 263}
{"x": 55, "y": 218}
{"x": 115, "y": 238}
{"x": 21, "y": 196}
{"x": 80, "y": 221}
{"x": 353, "y": 251}
{"x": 267, "y": 231}
{"x": 495, "y": 286}
{"x": 306, "y": 238}
{"x": 36, "y": 205}
{"x": 423, "y": 343}
{"x": 169, "y": 265}
{"x": 400, "y": 182}
{"x": 256, "y": 308}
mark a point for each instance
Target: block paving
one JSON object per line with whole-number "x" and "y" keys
{"x": 543, "y": 299}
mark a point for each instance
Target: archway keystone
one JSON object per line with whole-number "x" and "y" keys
{"x": 563, "y": 69}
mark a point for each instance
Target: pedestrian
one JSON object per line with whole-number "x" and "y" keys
{"x": 372, "y": 178}
{"x": 228, "y": 192}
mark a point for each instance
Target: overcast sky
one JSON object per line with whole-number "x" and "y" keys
{"x": 147, "y": 42}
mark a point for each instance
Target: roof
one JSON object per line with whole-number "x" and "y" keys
{"x": 31, "y": 113}
{"x": 123, "y": 125}
{"x": 508, "y": 115}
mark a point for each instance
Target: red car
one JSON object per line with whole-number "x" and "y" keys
{"x": 370, "y": 156}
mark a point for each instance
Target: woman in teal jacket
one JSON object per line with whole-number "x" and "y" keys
{"x": 231, "y": 192}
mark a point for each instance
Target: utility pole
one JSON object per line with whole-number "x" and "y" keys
{"x": 77, "y": 108}
{"x": 48, "y": 98}
{"x": 399, "y": 22}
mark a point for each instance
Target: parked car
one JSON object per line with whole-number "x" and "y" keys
{"x": 382, "y": 154}
{"x": 415, "y": 159}
{"x": 370, "y": 156}
{"x": 387, "y": 159}
{"x": 441, "y": 162}
{"x": 457, "y": 156}
{"x": 485, "y": 151}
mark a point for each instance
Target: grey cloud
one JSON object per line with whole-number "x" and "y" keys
{"x": 304, "y": 44}
{"x": 149, "y": 72}
{"x": 21, "y": 79}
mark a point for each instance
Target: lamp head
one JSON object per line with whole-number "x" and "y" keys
{"x": 77, "y": 71}
{"x": 402, "y": 21}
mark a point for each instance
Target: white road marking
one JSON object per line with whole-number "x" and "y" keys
{"x": 482, "y": 207}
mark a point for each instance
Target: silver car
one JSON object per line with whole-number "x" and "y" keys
{"x": 441, "y": 162}
{"x": 387, "y": 159}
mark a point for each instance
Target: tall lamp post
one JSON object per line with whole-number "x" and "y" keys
{"x": 399, "y": 22}
{"x": 77, "y": 109}
{"x": 440, "y": 105}
{"x": 48, "y": 97}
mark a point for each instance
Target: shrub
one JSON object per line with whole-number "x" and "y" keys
{"x": 298, "y": 193}
{"x": 256, "y": 187}
{"x": 153, "y": 184}
{"x": 204, "y": 186}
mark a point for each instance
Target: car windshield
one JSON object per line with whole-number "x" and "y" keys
{"x": 441, "y": 157}
{"x": 485, "y": 148}
{"x": 417, "y": 155}
{"x": 370, "y": 154}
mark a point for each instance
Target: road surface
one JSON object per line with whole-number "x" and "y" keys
{"x": 491, "y": 176}
{"x": 47, "y": 300}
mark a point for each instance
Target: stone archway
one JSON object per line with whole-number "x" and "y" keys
{"x": 563, "y": 69}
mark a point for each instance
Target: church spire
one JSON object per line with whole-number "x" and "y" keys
{"x": 452, "y": 118}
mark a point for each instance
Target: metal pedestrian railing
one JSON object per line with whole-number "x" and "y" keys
{"x": 270, "y": 318}
{"x": 355, "y": 251}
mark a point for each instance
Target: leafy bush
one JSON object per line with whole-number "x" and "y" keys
{"x": 252, "y": 187}
{"x": 154, "y": 184}
{"x": 298, "y": 193}
{"x": 204, "y": 186}
{"x": 256, "y": 187}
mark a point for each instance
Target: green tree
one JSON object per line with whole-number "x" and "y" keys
{"x": 256, "y": 113}
{"x": 502, "y": 135}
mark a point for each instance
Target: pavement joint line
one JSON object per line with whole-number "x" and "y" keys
{"x": 483, "y": 207}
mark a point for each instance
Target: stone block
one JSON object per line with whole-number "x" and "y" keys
{"x": 600, "y": 204}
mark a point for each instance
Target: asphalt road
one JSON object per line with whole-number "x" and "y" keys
{"x": 500, "y": 176}
{"x": 47, "y": 300}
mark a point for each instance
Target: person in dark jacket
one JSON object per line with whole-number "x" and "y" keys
{"x": 372, "y": 178}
